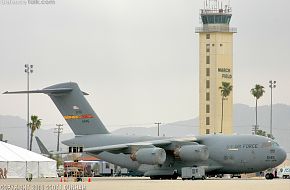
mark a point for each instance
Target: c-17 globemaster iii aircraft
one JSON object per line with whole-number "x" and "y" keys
{"x": 160, "y": 157}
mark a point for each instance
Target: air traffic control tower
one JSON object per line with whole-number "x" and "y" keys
{"x": 215, "y": 67}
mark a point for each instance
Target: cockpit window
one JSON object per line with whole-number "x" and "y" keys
{"x": 266, "y": 144}
{"x": 274, "y": 144}
{"x": 270, "y": 144}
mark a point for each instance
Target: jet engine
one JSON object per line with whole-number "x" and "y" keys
{"x": 192, "y": 153}
{"x": 151, "y": 156}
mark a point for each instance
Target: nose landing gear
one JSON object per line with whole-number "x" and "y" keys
{"x": 269, "y": 176}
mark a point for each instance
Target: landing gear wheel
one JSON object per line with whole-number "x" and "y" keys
{"x": 269, "y": 176}
{"x": 174, "y": 177}
{"x": 166, "y": 177}
{"x": 193, "y": 178}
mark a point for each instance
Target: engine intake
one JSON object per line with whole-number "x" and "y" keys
{"x": 192, "y": 153}
{"x": 151, "y": 156}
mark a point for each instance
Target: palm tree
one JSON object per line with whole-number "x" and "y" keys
{"x": 226, "y": 89}
{"x": 34, "y": 125}
{"x": 257, "y": 92}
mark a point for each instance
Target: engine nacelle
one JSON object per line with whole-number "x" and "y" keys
{"x": 151, "y": 156}
{"x": 192, "y": 153}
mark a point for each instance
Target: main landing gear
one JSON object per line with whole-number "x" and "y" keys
{"x": 163, "y": 177}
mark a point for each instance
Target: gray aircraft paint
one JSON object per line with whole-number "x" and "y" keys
{"x": 227, "y": 153}
{"x": 74, "y": 103}
{"x": 41, "y": 146}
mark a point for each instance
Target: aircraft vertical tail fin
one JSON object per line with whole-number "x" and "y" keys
{"x": 76, "y": 110}
{"x": 74, "y": 107}
{"x": 41, "y": 146}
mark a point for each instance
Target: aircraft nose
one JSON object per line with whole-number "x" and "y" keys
{"x": 281, "y": 155}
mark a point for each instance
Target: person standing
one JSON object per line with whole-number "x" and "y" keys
{"x": 5, "y": 173}
{"x": 1, "y": 174}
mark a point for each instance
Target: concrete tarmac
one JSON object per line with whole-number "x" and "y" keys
{"x": 141, "y": 183}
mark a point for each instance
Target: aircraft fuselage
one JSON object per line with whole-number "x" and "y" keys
{"x": 227, "y": 154}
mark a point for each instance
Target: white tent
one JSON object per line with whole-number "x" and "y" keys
{"x": 18, "y": 162}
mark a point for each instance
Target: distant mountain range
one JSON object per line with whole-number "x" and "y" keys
{"x": 14, "y": 129}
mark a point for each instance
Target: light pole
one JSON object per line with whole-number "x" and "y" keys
{"x": 272, "y": 84}
{"x": 158, "y": 124}
{"x": 28, "y": 70}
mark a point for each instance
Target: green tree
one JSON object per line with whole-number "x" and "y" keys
{"x": 257, "y": 92}
{"x": 34, "y": 125}
{"x": 261, "y": 133}
{"x": 264, "y": 133}
{"x": 57, "y": 158}
{"x": 226, "y": 89}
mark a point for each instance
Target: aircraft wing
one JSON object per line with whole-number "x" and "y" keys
{"x": 152, "y": 143}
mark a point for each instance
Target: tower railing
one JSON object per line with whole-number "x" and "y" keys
{"x": 215, "y": 29}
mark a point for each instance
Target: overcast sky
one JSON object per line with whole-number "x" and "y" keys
{"x": 138, "y": 59}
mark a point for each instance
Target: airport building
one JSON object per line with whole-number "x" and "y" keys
{"x": 215, "y": 67}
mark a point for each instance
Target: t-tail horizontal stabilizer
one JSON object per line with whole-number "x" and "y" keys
{"x": 45, "y": 91}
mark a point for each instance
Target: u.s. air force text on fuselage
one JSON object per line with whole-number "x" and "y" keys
{"x": 238, "y": 146}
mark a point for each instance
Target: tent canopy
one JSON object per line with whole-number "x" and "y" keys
{"x": 18, "y": 161}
